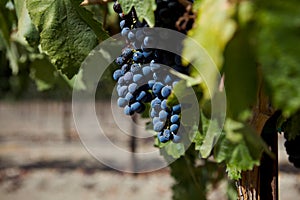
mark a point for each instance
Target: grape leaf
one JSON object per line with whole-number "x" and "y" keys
{"x": 278, "y": 51}
{"x": 240, "y": 148}
{"x": 144, "y": 9}
{"x": 68, "y": 32}
{"x": 27, "y": 32}
{"x": 240, "y": 72}
{"x": 212, "y": 30}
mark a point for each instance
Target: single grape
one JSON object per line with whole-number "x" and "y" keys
{"x": 174, "y": 128}
{"x": 176, "y": 138}
{"x": 137, "y": 78}
{"x": 146, "y": 70}
{"x": 122, "y": 102}
{"x": 163, "y": 115}
{"x": 128, "y": 111}
{"x": 158, "y": 126}
{"x": 157, "y": 88}
{"x": 117, "y": 74}
{"x": 174, "y": 119}
{"x": 166, "y": 91}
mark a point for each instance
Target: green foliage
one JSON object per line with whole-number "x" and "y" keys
{"x": 193, "y": 178}
{"x": 144, "y": 9}
{"x": 240, "y": 67}
{"x": 278, "y": 47}
{"x": 48, "y": 40}
{"x": 291, "y": 126}
{"x": 68, "y": 32}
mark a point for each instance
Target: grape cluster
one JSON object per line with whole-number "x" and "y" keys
{"x": 293, "y": 149}
{"x": 142, "y": 77}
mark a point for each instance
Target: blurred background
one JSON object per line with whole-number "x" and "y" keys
{"x": 41, "y": 156}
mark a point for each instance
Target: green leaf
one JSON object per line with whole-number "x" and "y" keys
{"x": 204, "y": 47}
{"x": 240, "y": 148}
{"x": 44, "y": 73}
{"x": 213, "y": 28}
{"x": 144, "y": 9}
{"x": 240, "y": 72}
{"x": 175, "y": 149}
{"x": 27, "y": 32}
{"x": 278, "y": 51}
{"x": 209, "y": 139}
{"x": 68, "y": 32}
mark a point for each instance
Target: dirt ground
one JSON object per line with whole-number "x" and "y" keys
{"x": 37, "y": 163}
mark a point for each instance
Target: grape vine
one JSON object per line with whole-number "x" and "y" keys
{"x": 139, "y": 62}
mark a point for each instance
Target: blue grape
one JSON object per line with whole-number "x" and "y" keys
{"x": 163, "y": 115}
{"x": 155, "y": 101}
{"x": 135, "y": 68}
{"x": 165, "y": 136}
{"x": 132, "y": 87}
{"x": 117, "y": 74}
{"x": 125, "y": 68}
{"x": 147, "y": 54}
{"x": 127, "y": 110}
{"x": 122, "y": 91}
{"x": 141, "y": 96}
{"x": 155, "y": 120}
{"x": 127, "y": 52}
{"x": 174, "y": 128}
{"x": 137, "y": 56}
{"x": 166, "y": 91}
{"x": 154, "y": 66}
{"x": 174, "y": 119}
{"x": 121, "y": 81}
{"x": 158, "y": 126}
{"x": 128, "y": 76}
{"x": 149, "y": 41}
{"x": 176, "y": 109}
{"x": 131, "y": 36}
{"x": 164, "y": 104}
{"x": 168, "y": 79}
{"x": 139, "y": 35}
{"x": 146, "y": 70}
{"x": 157, "y": 88}
{"x": 153, "y": 113}
{"x": 120, "y": 60}
{"x": 135, "y": 106}
{"x": 122, "y": 102}
{"x": 137, "y": 78}
{"x": 122, "y": 23}
{"x": 125, "y": 31}
{"x": 151, "y": 83}
{"x": 176, "y": 138}
{"x": 129, "y": 97}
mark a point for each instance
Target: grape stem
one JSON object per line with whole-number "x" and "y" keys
{"x": 185, "y": 3}
{"x": 92, "y": 2}
{"x": 182, "y": 21}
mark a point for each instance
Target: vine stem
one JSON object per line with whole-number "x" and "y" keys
{"x": 249, "y": 187}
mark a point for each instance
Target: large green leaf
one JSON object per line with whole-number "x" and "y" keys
{"x": 204, "y": 47}
{"x": 278, "y": 45}
{"x": 27, "y": 32}
{"x": 240, "y": 148}
{"x": 144, "y": 9}
{"x": 240, "y": 72}
{"x": 213, "y": 28}
{"x": 68, "y": 32}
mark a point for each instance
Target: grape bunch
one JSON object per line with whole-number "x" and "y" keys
{"x": 292, "y": 146}
{"x": 142, "y": 76}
